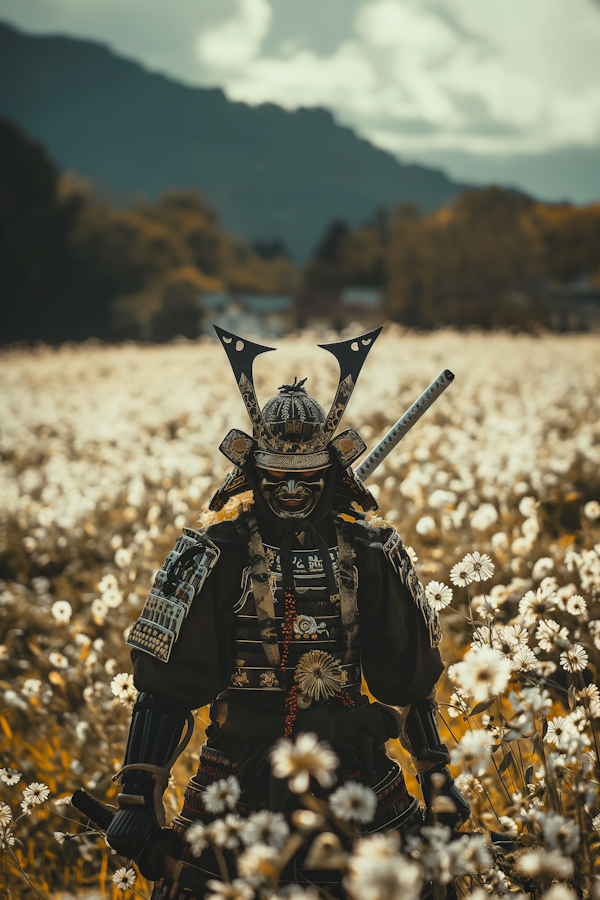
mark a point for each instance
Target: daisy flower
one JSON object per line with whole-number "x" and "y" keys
{"x": 10, "y": 776}
{"x": 575, "y": 659}
{"x": 549, "y": 633}
{"x": 305, "y": 759}
{"x": 5, "y": 815}
{"x": 229, "y": 890}
{"x": 481, "y": 564}
{"x": 222, "y": 794}
{"x": 226, "y": 832}
{"x": 354, "y": 802}
{"x": 61, "y": 611}
{"x": 60, "y": 837}
{"x": 462, "y": 574}
{"x": 123, "y": 687}
{"x": 196, "y": 836}
{"x": 36, "y": 792}
{"x": 534, "y": 604}
{"x": 483, "y": 673}
{"x": 438, "y": 594}
{"x": 258, "y": 864}
{"x": 265, "y": 827}
{"x": 124, "y": 879}
{"x": 474, "y": 750}
{"x": 576, "y": 605}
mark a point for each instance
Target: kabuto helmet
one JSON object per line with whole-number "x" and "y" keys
{"x": 293, "y": 451}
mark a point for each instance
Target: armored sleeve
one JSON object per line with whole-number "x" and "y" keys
{"x": 186, "y": 654}
{"x": 400, "y": 659}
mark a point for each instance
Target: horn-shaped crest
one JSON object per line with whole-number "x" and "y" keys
{"x": 350, "y": 355}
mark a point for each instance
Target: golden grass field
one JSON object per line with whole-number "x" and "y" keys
{"x": 107, "y": 451}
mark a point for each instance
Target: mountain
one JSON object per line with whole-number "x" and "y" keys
{"x": 271, "y": 173}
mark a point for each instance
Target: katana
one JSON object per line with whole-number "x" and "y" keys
{"x": 404, "y": 424}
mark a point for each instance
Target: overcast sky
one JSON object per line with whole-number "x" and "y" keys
{"x": 494, "y": 88}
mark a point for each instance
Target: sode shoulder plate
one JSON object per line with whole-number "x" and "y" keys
{"x": 396, "y": 553}
{"x": 185, "y": 570}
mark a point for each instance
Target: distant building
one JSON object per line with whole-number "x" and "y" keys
{"x": 324, "y": 310}
{"x": 574, "y": 306}
{"x": 249, "y": 314}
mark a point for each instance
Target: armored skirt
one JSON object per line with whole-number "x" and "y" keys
{"x": 268, "y": 670}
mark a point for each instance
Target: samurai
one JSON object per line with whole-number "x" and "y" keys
{"x": 278, "y": 615}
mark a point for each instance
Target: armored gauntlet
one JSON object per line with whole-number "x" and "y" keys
{"x": 431, "y": 757}
{"x": 156, "y": 726}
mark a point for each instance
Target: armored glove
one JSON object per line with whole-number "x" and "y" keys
{"x": 430, "y": 757}
{"x": 156, "y": 726}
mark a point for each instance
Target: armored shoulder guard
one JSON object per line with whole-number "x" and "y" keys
{"x": 387, "y": 539}
{"x": 185, "y": 570}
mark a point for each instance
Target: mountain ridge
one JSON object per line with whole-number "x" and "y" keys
{"x": 272, "y": 173}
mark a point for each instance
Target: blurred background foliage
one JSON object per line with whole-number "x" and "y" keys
{"x": 75, "y": 267}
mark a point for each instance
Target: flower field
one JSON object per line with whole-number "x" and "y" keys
{"x": 106, "y": 452}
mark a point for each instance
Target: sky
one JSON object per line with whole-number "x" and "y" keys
{"x": 489, "y": 90}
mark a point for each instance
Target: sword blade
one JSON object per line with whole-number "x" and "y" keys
{"x": 404, "y": 424}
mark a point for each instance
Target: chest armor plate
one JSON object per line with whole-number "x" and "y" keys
{"x": 318, "y": 624}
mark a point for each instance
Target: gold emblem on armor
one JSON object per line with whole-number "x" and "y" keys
{"x": 239, "y": 678}
{"x": 306, "y": 627}
{"x": 269, "y": 679}
{"x": 318, "y": 676}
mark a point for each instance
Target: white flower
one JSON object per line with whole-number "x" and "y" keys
{"x": 438, "y": 594}
{"x": 591, "y": 510}
{"x": 544, "y": 863}
{"x": 576, "y": 605}
{"x": 523, "y": 659}
{"x": 196, "y": 836}
{"x": 61, "y": 611}
{"x": 483, "y": 567}
{"x": 99, "y": 609}
{"x": 265, "y": 827}
{"x": 560, "y": 833}
{"x": 559, "y": 892}
{"x": 425, "y": 525}
{"x": 222, "y": 794}
{"x": 112, "y": 597}
{"x": 60, "y": 837}
{"x": 26, "y": 807}
{"x": 5, "y": 815}
{"x": 550, "y": 633}
{"x": 123, "y": 687}
{"x": 58, "y": 660}
{"x": 36, "y": 792}
{"x": 560, "y": 732}
{"x": 596, "y": 823}
{"x": 534, "y": 604}
{"x": 124, "y": 879}
{"x": 484, "y": 517}
{"x": 305, "y": 759}
{"x": 378, "y": 846}
{"x": 354, "y": 802}
{"x": 575, "y": 659}
{"x": 383, "y": 879}
{"x": 483, "y": 673}
{"x": 7, "y": 839}
{"x": 226, "y": 832}
{"x": 473, "y": 749}
{"x": 467, "y": 783}
{"x": 412, "y": 555}
{"x": 462, "y": 574}
{"x": 10, "y": 776}
{"x": 229, "y": 890}
{"x": 509, "y": 826}
{"x": 542, "y": 568}
{"x": 258, "y": 865}
{"x": 122, "y": 557}
{"x": 107, "y": 583}
{"x": 31, "y": 687}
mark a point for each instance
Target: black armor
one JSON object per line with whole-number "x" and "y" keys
{"x": 292, "y": 624}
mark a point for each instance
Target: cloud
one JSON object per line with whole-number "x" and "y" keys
{"x": 433, "y": 74}
{"x": 234, "y": 43}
